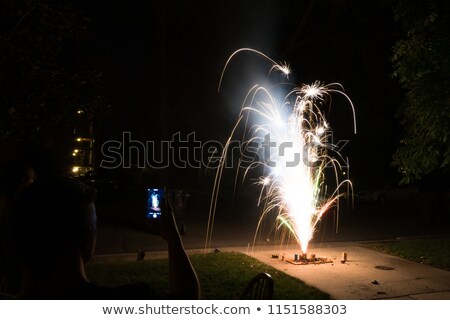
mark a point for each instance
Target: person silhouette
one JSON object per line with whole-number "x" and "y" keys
{"x": 55, "y": 233}
{"x": 17, "y": 175}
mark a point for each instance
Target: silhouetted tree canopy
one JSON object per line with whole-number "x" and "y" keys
{"x": 422, "y": 66}
{"x": 41, "y": 81}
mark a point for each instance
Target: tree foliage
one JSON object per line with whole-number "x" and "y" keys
{"x": 422, "y": 66}
{"x": 41, "y": 82}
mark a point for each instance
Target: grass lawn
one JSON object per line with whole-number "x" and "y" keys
{"x": 431, "y": 251}
{"x": 222, "y": 276}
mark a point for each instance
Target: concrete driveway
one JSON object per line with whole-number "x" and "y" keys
{"x": 368, "y": 274}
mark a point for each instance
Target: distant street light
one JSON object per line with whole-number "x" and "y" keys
{"x": 85, "y": 139}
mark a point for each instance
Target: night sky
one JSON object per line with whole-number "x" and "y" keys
{"x": 163, "y": 60}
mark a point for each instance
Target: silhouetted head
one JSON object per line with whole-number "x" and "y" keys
{"x": 17, "y": 175}
{"x": 53, "y": 218}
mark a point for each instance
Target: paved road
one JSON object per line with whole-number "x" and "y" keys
{"x": 236, "y": 226}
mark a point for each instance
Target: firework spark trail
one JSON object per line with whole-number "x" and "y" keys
{"x": 299, "y": 151}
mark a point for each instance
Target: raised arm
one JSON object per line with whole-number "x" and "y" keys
{"x": 184, "y": 282}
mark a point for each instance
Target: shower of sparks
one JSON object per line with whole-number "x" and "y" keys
{"x": 293, "y": 185}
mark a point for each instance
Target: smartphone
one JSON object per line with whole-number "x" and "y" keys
{"x": 155, "y": 198}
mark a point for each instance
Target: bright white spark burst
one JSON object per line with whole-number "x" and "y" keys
{"x": 294, "y": 186}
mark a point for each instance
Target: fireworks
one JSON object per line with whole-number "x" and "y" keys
{"x": 296, "y": 152}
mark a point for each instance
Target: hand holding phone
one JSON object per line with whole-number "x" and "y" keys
{"x": 159, "y": 214}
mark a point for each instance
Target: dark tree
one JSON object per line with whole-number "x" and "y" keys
{"x": 422, "y": 66}
{"x": 42, "y": 81}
